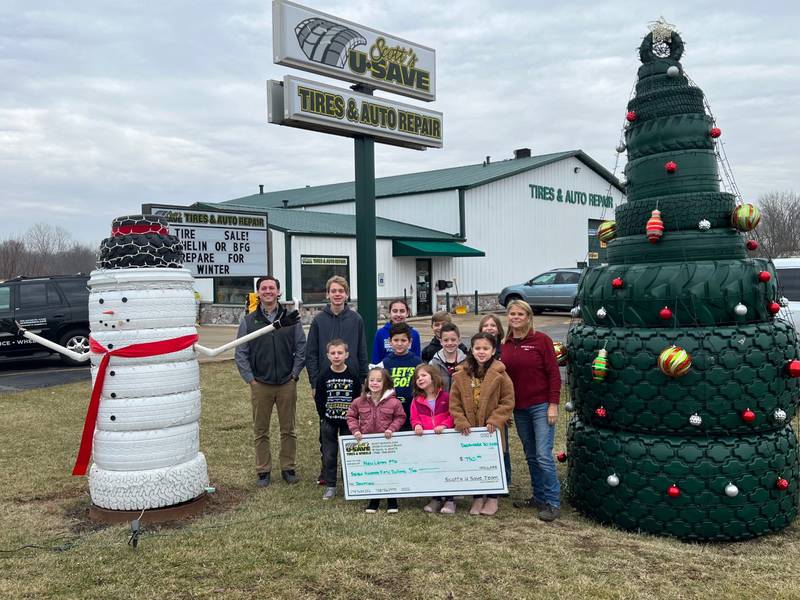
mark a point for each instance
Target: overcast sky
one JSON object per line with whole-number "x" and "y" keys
{"x": 105, "y": 105}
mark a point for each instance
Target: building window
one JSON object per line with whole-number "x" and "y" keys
{"x": 232, "y": 290}
{"x": 315, "y": 272}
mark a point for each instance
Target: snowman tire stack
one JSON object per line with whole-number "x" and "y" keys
{"x": 146, "y": 445}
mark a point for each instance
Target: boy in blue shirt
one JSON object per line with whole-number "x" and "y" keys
{"x": 401, "y": 365}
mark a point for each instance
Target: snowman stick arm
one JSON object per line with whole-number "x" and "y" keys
{"x": 232, "y": 344}
{"x": 80, "y": 357}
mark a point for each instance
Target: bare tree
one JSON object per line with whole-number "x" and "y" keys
{"x": 779, "y": 230}
{"x": 45, "y": 250}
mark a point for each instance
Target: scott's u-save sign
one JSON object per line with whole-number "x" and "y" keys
{"x": 314, "y": 41}
{"x": 312, "y": 105}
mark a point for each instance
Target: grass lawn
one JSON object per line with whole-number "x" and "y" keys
{"x": 284, "y": 542}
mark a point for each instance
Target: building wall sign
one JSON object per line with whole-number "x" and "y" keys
{"x": 314, "y": 41}
{"x": 311, "y": 105}
{"x": 541, "y": 192}
{"x": 217, "y": 244}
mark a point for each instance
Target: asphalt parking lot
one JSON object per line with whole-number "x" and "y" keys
{"x": 47, "y": 370}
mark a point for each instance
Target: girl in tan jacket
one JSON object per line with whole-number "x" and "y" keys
{"x": 482, "y": 395}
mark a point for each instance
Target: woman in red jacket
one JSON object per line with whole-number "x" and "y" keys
{"x": 531, "y": 363}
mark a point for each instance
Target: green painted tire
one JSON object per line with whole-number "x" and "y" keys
{"x": 680, "y": 246}
{"x": 658, "y": 67}
{"x": 671, "y": 101}
{"x": 656, "y": 83}
{"x": 682, "y": 212}
{"x": 700, "y": 467}
{"x": 702, "y": 294}
{"x": 675, "y": 45}
{"x": 669, "y": 134}
{"x": 733, "y": 369}
{"x": 647, "y": 176}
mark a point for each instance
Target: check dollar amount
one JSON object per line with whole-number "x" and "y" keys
{"x": 408, "y": 465}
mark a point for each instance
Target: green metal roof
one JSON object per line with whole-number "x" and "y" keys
{"x": 419, "y": 248}
{"x": 306, "y": 222}
{"x": 465, "y": 177}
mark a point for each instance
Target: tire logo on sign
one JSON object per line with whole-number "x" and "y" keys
{"x": 327, "y": 42}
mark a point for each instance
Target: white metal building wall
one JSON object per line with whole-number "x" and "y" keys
{"x": 398, "y": 273}
{"x": 524, "y": 236}
{"x": 279, "y": 257}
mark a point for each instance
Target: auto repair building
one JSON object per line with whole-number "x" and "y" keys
{"x": 473, "y": 228}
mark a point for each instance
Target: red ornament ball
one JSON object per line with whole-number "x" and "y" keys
{"x": 715, "y": 132}
{"x": 673, "y": 491}
{"x": 764, "y": 276}
{"x": 748, "y": 416}
{"x": 561, "y": 457}
{"x": 665, "y": 313}
{"x": 671, "y": 167}
{"x": 631, "y": 116}
{"x": 774, "y": 308}
{"x": 617, "y": 283}
{"x": 751, "y": 245}
{"x": 600, "y": 412}
{"x": 782, "y": 484}
{"x": 793, "y": 368}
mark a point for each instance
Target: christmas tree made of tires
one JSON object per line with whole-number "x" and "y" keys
{"x": 683, "y": 379}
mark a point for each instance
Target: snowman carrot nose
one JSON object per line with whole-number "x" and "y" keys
{"x": 108, "y": 312}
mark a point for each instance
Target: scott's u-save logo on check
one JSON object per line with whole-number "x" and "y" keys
{"x": 335, "y": 45}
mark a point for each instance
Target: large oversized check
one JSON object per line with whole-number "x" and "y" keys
{"x": 409, "y": 465}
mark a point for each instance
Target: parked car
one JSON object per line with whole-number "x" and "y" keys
{"x": 553, "y": 290}
{"x": 57, "y": 308}
{"x": 788, "y": 271}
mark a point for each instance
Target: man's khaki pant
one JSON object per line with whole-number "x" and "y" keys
{"x": 284, "y": 397}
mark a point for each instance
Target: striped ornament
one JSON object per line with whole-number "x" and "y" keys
{"x": 745, "y": 217}
{"x": 600, "y": 366}
{"x": 654, "y": 227}
{"x": 561, "y": 353}
{"x": 674, "y": 361}
{"x": 607, "y": 231}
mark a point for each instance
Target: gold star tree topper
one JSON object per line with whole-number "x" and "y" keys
{"x": 661, "y": 30}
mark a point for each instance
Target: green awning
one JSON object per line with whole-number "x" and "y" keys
{"x": 415, "y": 248}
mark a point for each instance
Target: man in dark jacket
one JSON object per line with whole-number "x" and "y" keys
{"x": 271, "y": 365}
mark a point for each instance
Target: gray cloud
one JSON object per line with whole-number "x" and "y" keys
{"x": 108, "y": 105}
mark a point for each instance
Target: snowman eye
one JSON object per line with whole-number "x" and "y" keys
{"x": 113, "y": 418}
{"x": 124, "y": 299}
{"x": 101, "y": 301}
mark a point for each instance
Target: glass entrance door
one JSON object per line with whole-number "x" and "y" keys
{"x": 424, "y": 300}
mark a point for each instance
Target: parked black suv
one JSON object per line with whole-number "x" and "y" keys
{"x": 57, "y": 308}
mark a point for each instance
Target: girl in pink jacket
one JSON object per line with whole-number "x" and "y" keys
{"x": 430, "y": 410}
{"x": 377, "y": 410}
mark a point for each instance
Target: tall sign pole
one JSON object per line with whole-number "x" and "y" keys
{"x": 314, "y": 41}
{"x": 365, "y": 234}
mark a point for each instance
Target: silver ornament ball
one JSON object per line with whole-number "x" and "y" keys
{"x": 602, "y": 313}
{"x": 569, "y": 406}
{"x": 612, "y": 480}
{"x": 621, "y": 148}
{"x": 673, "y": 71}
{"x": 780, "y": 415}
{"x": 704, "y": 225}
{"x": 576, "y": 312}
{"x": 784, "y": 301}
{"x": 740, "y": 309}
{"x": 696, "y": 420}
{"x": 731, "y": 491}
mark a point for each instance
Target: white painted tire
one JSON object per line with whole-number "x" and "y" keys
{"x": 154, "y": 488}
{"x": 141, "y": 309}
{"x": 143, "y": 450}
{"x": 122, "y": 339}
{"x": 155, "y": 412}
{"x": 141, "y": 381}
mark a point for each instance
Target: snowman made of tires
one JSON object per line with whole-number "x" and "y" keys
{"x": 142, "y": 425}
